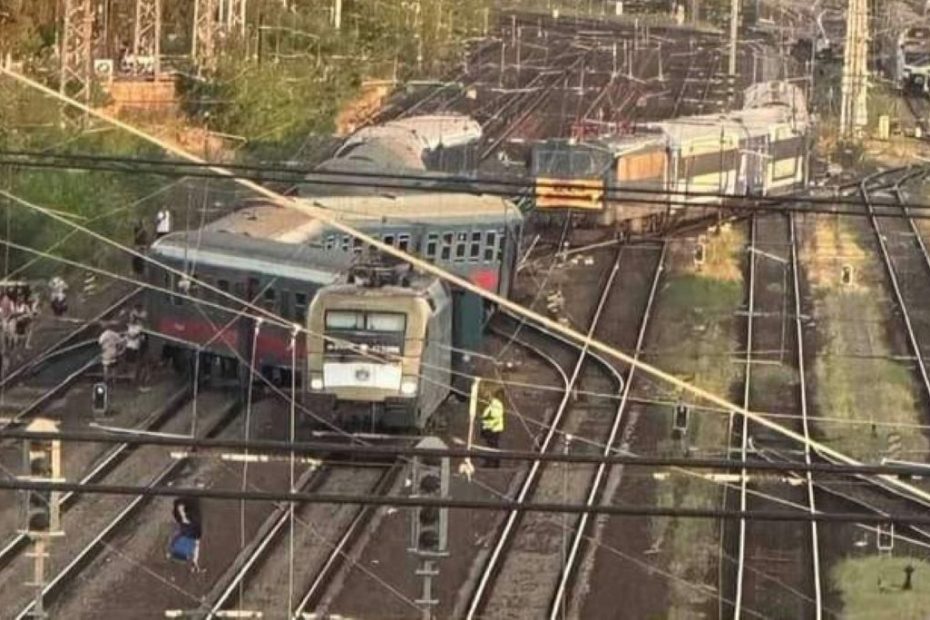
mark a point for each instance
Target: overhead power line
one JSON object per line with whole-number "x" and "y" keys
{"x": 485, "y": 185}
{"x": 308, "y": 208}
{"x": 465, "y": 504}
{"x": 306, "y": 448}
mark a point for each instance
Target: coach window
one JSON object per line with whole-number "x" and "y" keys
{"x": 284, "y": 304}
{"x": 447, "y": 246}
{"x": 268, "y": 299}
{"x": 300, "y": 307}
{"x": 388, "y": 240}
{"x": 345, "y": 243}
{"x": 330, "y": 243}
{"x": 461, "y": 240}
{"x": 432, "y": 243}
{"x": 490, "y": 240}
{"x": 474, "y": 251}
{"x": 239, "y": 290}
{"x": 500, "y": 246}
{"x": 403, "y": 242}
{"x": 357, "y": 246}
{"x": 223, "y": 285}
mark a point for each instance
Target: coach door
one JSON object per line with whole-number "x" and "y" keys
{"x": 754, "y": 155}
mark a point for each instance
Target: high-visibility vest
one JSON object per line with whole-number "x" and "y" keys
{"x": 492, "y": 418}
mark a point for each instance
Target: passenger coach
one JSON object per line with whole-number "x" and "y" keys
{"x": 279, "y": 259}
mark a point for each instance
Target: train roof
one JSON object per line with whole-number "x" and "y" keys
{"x": 751, "y": 122}
{"x": 264, "y": 221}
{"x": 245, "y": 253}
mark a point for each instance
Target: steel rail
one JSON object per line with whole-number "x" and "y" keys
{"x": 805, "y": 420}
{"x": 344, "y": 545}
{"x": 595, "y": 491}
{"x": 40, "y": 358}
{"x": 825, "y": 487}
{"x": 50, "y": 395}
{"x": 267, "y": 533}
{"x": 744, "y": 424}
{"x": 491, "y": 566}
{"x": 86, "y": 554}
{"x": 892, "y": 273}
{"x": 113, "y": 458}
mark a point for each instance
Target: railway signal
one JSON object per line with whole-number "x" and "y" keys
{"x": 100, "y": 399}
{"x": 41, "y": 509}
{"x": 42, "y": 462}
{"x": 429, "y": 525}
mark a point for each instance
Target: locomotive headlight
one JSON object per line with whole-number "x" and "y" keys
{"x": 316, "y": 383}
{"x": 408, "y": 387}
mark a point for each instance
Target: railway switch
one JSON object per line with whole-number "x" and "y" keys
{"x": 42, "y": 462}
{"x": 429, "y": 524}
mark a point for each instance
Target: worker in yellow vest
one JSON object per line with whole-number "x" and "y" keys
{"x": 492, "y": 423}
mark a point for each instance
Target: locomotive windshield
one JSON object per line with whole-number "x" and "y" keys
{"x": 356, "y": 320}
{"x": 375, "y": 332}
{"x": 572, "y": 161}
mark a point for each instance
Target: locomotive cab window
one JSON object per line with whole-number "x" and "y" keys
{"x": 356, "y": 320}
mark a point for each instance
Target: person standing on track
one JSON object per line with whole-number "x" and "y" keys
{"x": 185, "y": 544}
{"x": 162, "y": 222}
{"x": 492, "y": 423}
{"x": 137, "y": 346}
{"x": 111, "y": 346}
{"x": 58, "y": 295}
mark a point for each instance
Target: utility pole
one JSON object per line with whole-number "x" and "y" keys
{"x": 734, "y": 41}
{"x": 232, "y": 16}
{"x": 77, "y": 34}
{"x": 41, "y": 514}
{"x": 205, "y": 31}
{"x": 147, "y": 35}
{"x": 734, "y": 35}
{"x": 853, "y": 108}
{"x": 337, "y": 14}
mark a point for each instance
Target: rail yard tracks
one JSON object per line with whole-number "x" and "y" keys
{"x": 776, "y": 565}
{"x": 527, "y": 549}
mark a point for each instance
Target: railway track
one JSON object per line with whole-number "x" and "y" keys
{"x": 91, "y": 526}
{"x": 775, "y": 565}
{"x": 905, "y": 258}
{"x": 285, "y": 570}
{"x": 527, "y": 559}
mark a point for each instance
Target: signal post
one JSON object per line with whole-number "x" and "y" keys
{"x": 41, "y": 519}
{"x": 429, "y": 525}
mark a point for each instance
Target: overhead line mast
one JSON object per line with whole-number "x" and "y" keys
{"x": 854, "y": 105}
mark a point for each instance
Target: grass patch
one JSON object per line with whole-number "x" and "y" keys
{"x": 855, "y": 385}
{"x": 857, "y": 579}
{"x": 696, "y": 310}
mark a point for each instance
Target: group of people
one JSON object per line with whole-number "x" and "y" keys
{"x": 19, "y": 308}
{"x": 131, "y": 345}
